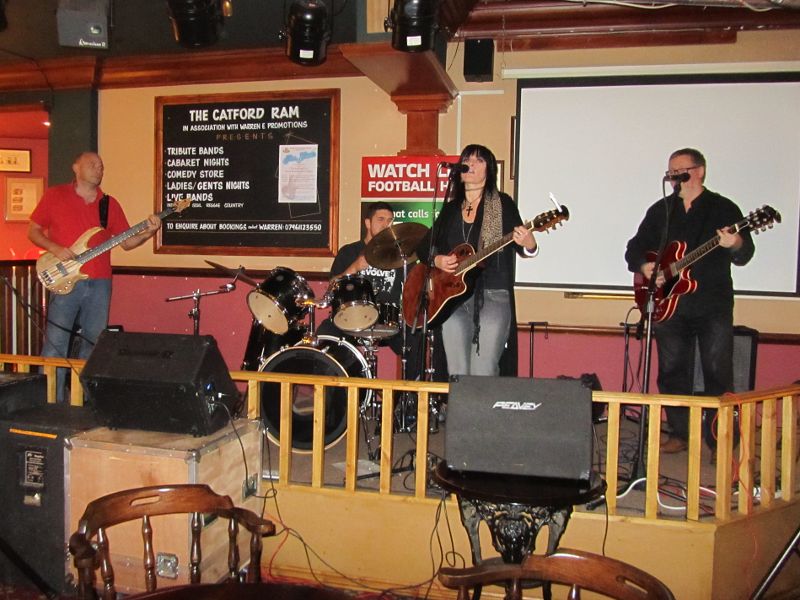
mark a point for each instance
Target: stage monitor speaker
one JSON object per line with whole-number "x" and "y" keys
{"x": 32, "y": 457}
{"x": 159, "y": 382}
{"x": 745, "y": 349}
{"x": 83, "y": 23}
{"x": 479, "y": 60}
{"x": 21, "y": 390}
{"x": 520, "y": 426}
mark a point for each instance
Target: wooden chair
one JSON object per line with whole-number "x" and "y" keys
{"x": 144, "y": 503}
{"x": 574, "y": 568}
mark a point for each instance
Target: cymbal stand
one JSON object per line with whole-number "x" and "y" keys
{"x": 195, "y": 296}
{"x": 371, "y": 412}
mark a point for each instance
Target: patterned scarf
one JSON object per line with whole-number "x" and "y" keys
{"x": 491, "y": 231}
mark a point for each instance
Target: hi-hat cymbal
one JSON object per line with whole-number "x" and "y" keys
{"x": 236, "y": 273}
{"x": 387, "y": 249}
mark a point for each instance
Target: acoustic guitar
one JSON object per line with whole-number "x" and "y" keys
{"x": 60, "y": 276}
{"x": 444, "y": 287}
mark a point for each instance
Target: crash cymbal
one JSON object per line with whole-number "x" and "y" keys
{"x": 387, "y": 249}
{"x": 237, "y": 273}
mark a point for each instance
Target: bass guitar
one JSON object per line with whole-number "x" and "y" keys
{"x": 60, "y": 276}
{"x": 674, "y": 265}
{"x": 444, "y": 287}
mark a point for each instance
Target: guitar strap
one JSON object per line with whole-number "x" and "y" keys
{"x": 104, "y": 211}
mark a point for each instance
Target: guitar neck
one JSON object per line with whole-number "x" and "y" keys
{"x": 91, "y": 253}
{"x": 473, "y": 259}
{"x": 701, "y": 251}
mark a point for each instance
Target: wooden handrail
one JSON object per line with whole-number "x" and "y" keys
{"x": 759, "y": 413}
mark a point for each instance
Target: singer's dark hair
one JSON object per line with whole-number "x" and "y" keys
{"x": 697, "y": 157}
{"x": 376, "y": 206}
{"x": 491, "y": 170}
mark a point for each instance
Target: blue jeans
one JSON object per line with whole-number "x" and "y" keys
{"x": 676, "y": 344}
{"x": 85, "y": 307}
{"x": 464, "y": 357}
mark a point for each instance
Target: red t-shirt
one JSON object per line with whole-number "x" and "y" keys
{"x": 66, "y": 216}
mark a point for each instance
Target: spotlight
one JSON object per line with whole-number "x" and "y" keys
{"x": 307, "y": 32}
{"x": 413, "y": 25}
{"x": 196, "y": 23}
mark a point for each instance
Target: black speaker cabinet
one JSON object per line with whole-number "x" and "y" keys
{"x": 21, "y": 390}
{"x": 479, "y": 60}
{"x": 32, "y": 493}
{"x": 83, "y": 23}
{"x": 159, "y": 382}
{"x": 745, "y": 349}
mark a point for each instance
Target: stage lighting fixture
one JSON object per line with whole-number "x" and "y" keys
{"x": 307, "y": 32}
{"x": 413, "y": 25}
{"x": 196, "y": 23}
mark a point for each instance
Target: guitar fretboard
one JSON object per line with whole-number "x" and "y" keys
{"x": 91, "y": 253}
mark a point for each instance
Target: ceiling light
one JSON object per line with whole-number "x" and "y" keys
{"x": 196, "y": 23}
{"x": 307, "y": 32}
{"x": 413, "y": 25}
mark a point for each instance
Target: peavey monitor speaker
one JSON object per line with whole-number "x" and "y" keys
{"x": 159, "y": 382}
{"x": 83, "y": 23}
{"x": 515, "y": 426}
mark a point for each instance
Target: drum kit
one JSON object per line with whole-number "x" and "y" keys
{"x": 283, "y": 338}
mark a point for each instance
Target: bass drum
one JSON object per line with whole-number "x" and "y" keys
{"x": 331, "y": 356}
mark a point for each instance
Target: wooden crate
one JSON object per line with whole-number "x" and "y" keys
{"x": 102, "y": 461}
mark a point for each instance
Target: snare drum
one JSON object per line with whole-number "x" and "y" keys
{"x": 353, "y": 303}
{"x": 387, "y": 325}
{"x": 279, "y": 302}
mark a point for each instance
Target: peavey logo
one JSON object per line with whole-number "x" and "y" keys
{"x": 91, "y": 44}
{"x": 514, "y": 405}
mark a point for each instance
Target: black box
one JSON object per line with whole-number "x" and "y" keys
{"x": 32, "y": 494}
{"x": 21, "y": 390}
{"x": 159, "y": 382}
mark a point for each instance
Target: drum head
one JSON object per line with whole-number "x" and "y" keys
{"x": 268, "y": 311}
{"x": 331, "y": 356}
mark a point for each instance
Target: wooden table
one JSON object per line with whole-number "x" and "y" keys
{"x": 515, "y": 507}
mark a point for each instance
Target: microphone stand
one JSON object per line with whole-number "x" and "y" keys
{"x": 422, "y": 306}
{"x": 194, "y": 313}
{"x": 639, "y": 470}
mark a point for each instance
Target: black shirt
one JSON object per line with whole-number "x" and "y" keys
{"x": 708, "y": 213}
{"x": 386, "y": 283}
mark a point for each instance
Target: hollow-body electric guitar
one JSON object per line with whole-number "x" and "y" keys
{"x": 60, "y": 276}
{"x": 443, "y": 287}
{"x": 675, "y": 263}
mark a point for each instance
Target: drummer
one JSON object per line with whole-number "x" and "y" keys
{"x": 386, "y": 283}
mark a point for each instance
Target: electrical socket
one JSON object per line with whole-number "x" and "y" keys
{"x": 249, "y": 487}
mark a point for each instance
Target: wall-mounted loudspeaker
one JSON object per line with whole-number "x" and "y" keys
{"x": 159, "y": 382}
{"x": 83, "y": 23}
{"x": 479, "y": 60}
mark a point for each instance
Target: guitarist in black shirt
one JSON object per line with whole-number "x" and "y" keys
{"x": 691, "y": 216}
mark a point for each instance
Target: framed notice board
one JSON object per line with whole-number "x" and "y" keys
{"x": 261, "y": 170}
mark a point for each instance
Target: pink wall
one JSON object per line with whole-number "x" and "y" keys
{"x": 139, "y": 305}
{"x": 14, "y": 242}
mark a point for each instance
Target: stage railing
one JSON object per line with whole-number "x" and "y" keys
{"x": 22, "y": 308}
{"x": 746, "y": 481}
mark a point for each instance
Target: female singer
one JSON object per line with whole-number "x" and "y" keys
{"x": 476, "y": 332}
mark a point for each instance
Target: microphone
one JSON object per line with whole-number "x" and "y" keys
{"x": 455, "y": 167}
{"x": 680, "y": 178}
